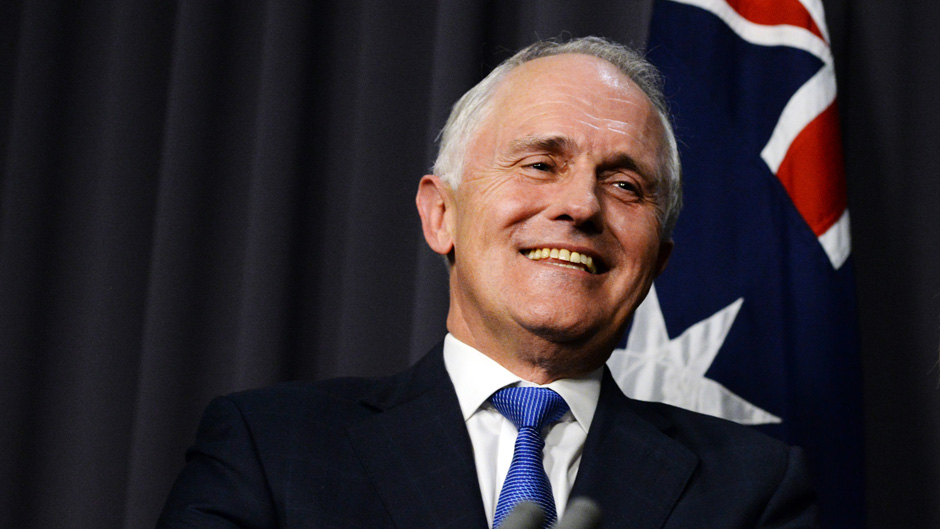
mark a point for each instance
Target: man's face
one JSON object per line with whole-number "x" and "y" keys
{"x": 565, "y": 161}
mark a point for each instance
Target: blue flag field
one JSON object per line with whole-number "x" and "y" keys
{"x": 754, "y": 319}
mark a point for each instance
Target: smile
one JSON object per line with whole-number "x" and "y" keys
{"x": 571, "y": 259}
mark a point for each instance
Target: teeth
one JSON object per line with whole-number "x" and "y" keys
{"x": 564, "y": 255}
{"x": 573, "y": 267}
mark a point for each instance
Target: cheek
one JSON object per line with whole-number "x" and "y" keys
{"x": 640, "y": 240}
{"x": 639, "y": 228}
{"x": 503, "y": 206}
{"x": 482, "y": 229}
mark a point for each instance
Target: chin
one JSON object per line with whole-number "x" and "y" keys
{"x": 575, "y": 332}
{"x": 571, "y": 355}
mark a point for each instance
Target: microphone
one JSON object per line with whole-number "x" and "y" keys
{"x": 525, "y": 515}
{"x": 582, "y": 513}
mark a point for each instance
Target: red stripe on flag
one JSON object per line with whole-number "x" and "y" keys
{"x": 813, "y": 174}
{"x": 775, "y": 12}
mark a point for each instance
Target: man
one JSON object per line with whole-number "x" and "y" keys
{"x": 556, "y": 189}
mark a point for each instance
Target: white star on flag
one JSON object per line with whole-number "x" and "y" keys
{"x": 655, "y": 368}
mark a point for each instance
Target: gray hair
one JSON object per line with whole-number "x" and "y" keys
{"x": 471, "y": 110}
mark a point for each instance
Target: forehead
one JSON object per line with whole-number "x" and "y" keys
{"x": 580, "y": 96}
{"x": 568, "y": 71}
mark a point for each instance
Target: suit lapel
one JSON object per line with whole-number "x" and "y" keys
{"x": 419, "y": 456}
{"x": 631, "y": 466}
{"x": 417, "y": 450}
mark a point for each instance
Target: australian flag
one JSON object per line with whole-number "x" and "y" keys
{"x": 754, "y": 319}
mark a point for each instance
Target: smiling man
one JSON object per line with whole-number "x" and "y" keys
{"x": 553, "y": 199}
{"x": 565, "y": 161}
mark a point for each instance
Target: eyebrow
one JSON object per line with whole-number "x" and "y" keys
{"x": 625, "y": 161}
{"x": 552, "y": 144}
{"x": 563, "y": 144}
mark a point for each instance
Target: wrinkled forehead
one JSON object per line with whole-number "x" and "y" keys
{"x": 571, "y": 94}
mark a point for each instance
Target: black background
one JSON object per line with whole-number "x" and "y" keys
{"x": 201, "y": 197}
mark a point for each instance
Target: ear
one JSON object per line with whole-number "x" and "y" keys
{"x": 665, "y": 250}
{"x": 435, "y": 207}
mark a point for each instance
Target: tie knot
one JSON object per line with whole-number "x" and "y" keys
{"x": 529, "y": 406}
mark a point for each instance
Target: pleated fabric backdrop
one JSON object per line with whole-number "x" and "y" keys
{"x": 203, "y": 197}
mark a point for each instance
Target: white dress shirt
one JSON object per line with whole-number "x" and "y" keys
{"x": 475, "y": 377}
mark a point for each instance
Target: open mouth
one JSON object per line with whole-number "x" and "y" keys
{"x": 564, "y": 258}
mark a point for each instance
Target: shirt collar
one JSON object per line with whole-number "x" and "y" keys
{"x": 476, "y": 376}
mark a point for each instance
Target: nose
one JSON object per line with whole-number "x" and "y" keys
{"x": 577, "y": 199}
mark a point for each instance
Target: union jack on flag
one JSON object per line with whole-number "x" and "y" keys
{"x": 754, "y": 319}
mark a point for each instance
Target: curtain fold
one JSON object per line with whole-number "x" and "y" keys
{"x": 202, "y": 197}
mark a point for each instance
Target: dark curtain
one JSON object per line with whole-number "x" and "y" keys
{"x": 202, "y": 197}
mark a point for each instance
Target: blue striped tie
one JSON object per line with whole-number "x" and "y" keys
{"x": 529, "y": 409}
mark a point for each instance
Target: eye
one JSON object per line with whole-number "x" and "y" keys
{"x": 629, "y": 188}
{"x": 539, "y": 167}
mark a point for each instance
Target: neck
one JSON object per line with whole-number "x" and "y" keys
{"x": 529, "y": 356}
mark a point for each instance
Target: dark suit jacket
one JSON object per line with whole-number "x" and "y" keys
{"x": 394, "y": 452}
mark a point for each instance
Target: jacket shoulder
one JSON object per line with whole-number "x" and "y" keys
{"x": 333, "y": 400}
{"x": 703, "y": 431}
{"x": 348, "y": 397}
{"x": 752, "y": 478}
